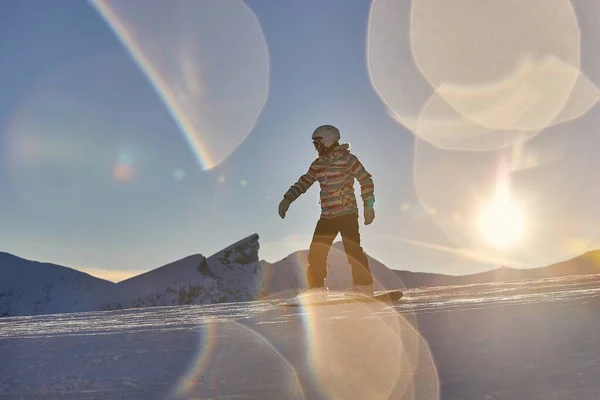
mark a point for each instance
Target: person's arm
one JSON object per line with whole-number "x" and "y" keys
{"x": 367, "y": 187}
{"x": 301, "y": 186}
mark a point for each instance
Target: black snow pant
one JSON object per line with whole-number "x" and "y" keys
{"x": 323, "y": 237}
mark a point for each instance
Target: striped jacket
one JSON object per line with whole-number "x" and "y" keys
{"x": 336, "y": 173}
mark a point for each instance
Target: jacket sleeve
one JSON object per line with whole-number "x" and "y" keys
{"x": 367, "y": 188}
{"x": 303, "y": 184}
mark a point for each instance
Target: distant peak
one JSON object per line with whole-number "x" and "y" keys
{"x": 244, "y": 251}
{"x": 4, "y": 255}
{"x": 247, "y": 240}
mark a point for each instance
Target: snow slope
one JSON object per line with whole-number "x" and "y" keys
{"x": 448, "y": 343}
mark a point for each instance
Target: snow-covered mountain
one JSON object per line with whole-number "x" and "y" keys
{"x": 227, "y": 276}
{"x": 31, "y": 287}
{"x": 233, "y": 274}
{"x": 585, "y": 264}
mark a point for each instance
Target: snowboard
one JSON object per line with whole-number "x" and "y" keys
{"x": 381, "y": 297}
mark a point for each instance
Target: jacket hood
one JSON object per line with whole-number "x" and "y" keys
{"x": 336, "y": 151}
{"x": 340, "y": 148}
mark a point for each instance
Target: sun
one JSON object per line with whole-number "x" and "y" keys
{"x": 502, "y": 221}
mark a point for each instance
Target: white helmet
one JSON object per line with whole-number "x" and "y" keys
{"x": 324, "y": 137}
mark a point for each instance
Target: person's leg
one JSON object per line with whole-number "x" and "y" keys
{"x": 349, "y": 228}
{"x": 325, "y": 232}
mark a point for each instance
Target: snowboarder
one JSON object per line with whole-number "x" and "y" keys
{"x": 336, "y": 168}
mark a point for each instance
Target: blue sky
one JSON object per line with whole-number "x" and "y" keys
{"x": 97, "y": 174}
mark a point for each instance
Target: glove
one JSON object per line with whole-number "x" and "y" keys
{"x": 369, "y": 215}
{"x": 283, "y": 207}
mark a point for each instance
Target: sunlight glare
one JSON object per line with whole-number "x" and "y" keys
{"x": 549, "y": 206}
{"x": 502, "y": 221}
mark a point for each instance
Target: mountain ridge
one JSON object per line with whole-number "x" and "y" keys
{"x": 233, "y": 274}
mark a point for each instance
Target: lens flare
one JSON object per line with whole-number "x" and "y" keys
{"x": 367, "y": 351}
{"x": 358, "y": 350}
{"x": 501, "y": 64}
{"x": 123, "y": 172}
{"x": 123, "y": 169}
{"x": 472, "y": 75}
{"x": 207, "y": 60}
{"x": 48, "y": 151}
{"x": 179, "y": 174}
{"x": 230, "y": 352}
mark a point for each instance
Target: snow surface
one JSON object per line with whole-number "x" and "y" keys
{"x": 518, "y": 340}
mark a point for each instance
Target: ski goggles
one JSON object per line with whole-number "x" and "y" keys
{"x": 317, "y": 142}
